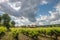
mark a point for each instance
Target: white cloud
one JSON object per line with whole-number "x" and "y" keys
{"x": 54, "y": 17}
{"x": 21, "y": 21}
{"x": 57, "y": 7}
{"x": 1, "y": 1}
{"x": 41, "y": 23}
{"x": 25, "y": 12}
{"x": 42, "y": 20}
{"x": 55, "y": 22}
{"x": 16, "y": 6}
{"x": 20, "y": 8}
{"x": 44, "y": 2}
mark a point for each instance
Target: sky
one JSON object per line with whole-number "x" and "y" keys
{"x": 32, "y": 12}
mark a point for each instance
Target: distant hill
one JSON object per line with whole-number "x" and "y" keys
{"x": 53, "y": 25}
{"x": 35, "y": 26}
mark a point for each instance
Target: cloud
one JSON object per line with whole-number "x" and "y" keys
{"x": 1, "y": 1}
{"x": 19, "y": 8}
{"x": 58, "y": 7}
{"x": 55, "y": 22}
{"x": 16, "y": 6}
{"x": 21, "y": 21}
{"x": 53, "y": 18}
{"x": 44, "y": 2}
{"x": 56, "y": 14}
{"x": 23, "y": 12}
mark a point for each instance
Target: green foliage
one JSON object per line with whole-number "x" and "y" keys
{"x": 13, "y": 23}
{"x": 2, "y": 31}
{"x": 0, "y": 19}
{"x": 5, "y": 20}
{"x": 33, "y": 32}
{"x": 6, "y": 17}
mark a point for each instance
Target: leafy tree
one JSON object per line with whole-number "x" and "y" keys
{"x": 0, "y": 19}
{"x": 6, "y": 20}
{"x": 6, "y": 17}
{"x": 13, "y": 23}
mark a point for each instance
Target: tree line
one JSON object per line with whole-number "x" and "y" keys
{"x": 5, "y": 20}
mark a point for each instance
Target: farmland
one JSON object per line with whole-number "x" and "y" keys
{"x": 45, "y": 33}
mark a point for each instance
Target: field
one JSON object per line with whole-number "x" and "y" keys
{"x": 49, "y": 33}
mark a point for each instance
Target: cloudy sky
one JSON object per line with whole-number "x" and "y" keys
{"x": 27, "y": 12}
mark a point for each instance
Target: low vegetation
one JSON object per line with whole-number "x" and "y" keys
{"x": 33, "y": 33}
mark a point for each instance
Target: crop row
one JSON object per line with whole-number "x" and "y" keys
{"x": 34, "y": 32}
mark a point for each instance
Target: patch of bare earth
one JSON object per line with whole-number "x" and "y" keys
{"x": 7, "y": 36}
{"x": 23, "y": 37}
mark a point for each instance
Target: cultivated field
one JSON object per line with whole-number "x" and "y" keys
{"x": 50, "y": 33}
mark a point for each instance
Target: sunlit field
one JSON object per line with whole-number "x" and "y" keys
{"x": 49, "y": 33}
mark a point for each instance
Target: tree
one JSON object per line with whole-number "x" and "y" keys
{"x": 6, "y": 17}
{"x": 13, "y": 23}
{"x": 0, "y": 19}
{"x": 6, "y": 20}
